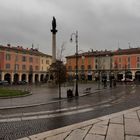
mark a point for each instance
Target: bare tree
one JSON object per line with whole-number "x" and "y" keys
{"x": 58, "y": 71}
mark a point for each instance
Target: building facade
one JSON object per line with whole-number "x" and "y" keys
{"x": 19, "y": 64}
{"x": 85, "y": 66}
{"x": 122, "y": 64}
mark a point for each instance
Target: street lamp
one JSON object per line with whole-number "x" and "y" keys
{"x": 111, "y": 76}
{"x": 76, "y": 41}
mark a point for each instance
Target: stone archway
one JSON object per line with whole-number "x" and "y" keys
{"x": 137, "y": 76}
{"x": 119, "y": 76}
{"x": 36, "y": 78}
{"x": 41, "y": 77}
{"x": 128, "y": 74}
{"x": 7, "y": 77}
{"x": 23, "y": 77}
{"x": 47, "y": 77}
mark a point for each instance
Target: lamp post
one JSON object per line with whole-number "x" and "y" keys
{"x": 76, "y": 41}
{"x": 99, "y": 70}
{"x": 111, "y": 76}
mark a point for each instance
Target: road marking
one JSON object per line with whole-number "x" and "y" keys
{"x": 47, "y": 112}
{"x": 46, "y": 116}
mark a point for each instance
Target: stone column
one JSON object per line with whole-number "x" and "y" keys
{"x": 20, "y": 74}
{"x": 54, "y": 31}
{"x": 133, "y": 74}
{"x": 39, "y": 75}
{"x": 2, "y": 76}
{"x": 33, "y": 78}
{"x": 27, "y": 77}
{"x": 12, "y": 77}
{"x": 53, "y": 47}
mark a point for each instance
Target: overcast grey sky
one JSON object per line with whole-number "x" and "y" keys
{"x": 101, "y": 24}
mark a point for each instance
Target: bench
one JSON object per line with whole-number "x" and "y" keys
{"x": 87, "y": 90}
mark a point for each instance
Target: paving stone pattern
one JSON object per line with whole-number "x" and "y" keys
{"x": 118, "y": 126}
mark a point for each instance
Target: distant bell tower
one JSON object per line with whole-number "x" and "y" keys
{"x": 54, "y": 31}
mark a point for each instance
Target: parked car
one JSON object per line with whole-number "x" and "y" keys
{"x": 4, "y": 83}
{"x": 21, "y": 82}
{"x": 127, "y": 80}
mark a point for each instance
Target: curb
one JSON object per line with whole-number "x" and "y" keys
{"x": 55, "y": 101}
{"x": 16, "y": 96}
{"x": 77, "y": 125}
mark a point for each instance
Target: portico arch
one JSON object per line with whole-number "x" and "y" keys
{"x": 7, "y": 77}
{"x": 128, "y": 74}
{"x": 137, "y": 76}
{"x": 23, "y": 77}
{"x": 36, "y": 78}
{"x": 119, "y": 76}
{"x": 42, "y": 77}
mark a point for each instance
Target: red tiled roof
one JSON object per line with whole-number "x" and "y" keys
{"x": 109, "y": 53}
{"x": 127, "y": 51}
{"x": 21, "y": 49}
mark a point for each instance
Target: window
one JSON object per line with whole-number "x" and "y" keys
{"x": 69, "y": 61}
{"x": 30, "y": 59}
{"x": 129, "y": 66}
{"x": 7, "y": 66}
{"x": 42, "y": 61}
{"x": 96, "y": 66}
{"x": 31, "y": 68}
{"x": 47, "y": 61}
{"x": 83, "y": 60}
{"x": 120, "y": 59}
{"x": 36, "y": 68}
{"x": 138, "y": 59}
{"x": 16, "y": 58}
{"x": 16, "y": 67}
{"x": 89, "y": 60}
{"x": 69, "y": 67}
{"x": 89, "y": 67}
{"x": 23, "y": 58}
{"x": 129, "y": 59}
{"x": 23, "y": 67}
{"x": 82, "y": 67}
{"x": 138, "y": 65}
{"x": 8, "y": 56}
{"x": 96, "y": 60}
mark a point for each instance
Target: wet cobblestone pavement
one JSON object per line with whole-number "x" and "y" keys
{"x": 87, "y": 107}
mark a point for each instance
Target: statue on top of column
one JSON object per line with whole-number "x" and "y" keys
{"x": 54, "y": 24}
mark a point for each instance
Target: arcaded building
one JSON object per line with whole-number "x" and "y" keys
{"x": 19, "y": 64}
{"x": 122, "y": 63}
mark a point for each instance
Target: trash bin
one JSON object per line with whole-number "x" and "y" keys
{"x": 114, "y": 82}
{"x": 69, "y": 93}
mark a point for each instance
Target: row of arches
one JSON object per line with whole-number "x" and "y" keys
{"x": 119, "y": 75}
{"x": 128, "y": 74}
{"x": 30, "y": 78}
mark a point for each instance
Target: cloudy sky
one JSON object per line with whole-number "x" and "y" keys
{"x": 101, "y": 24}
